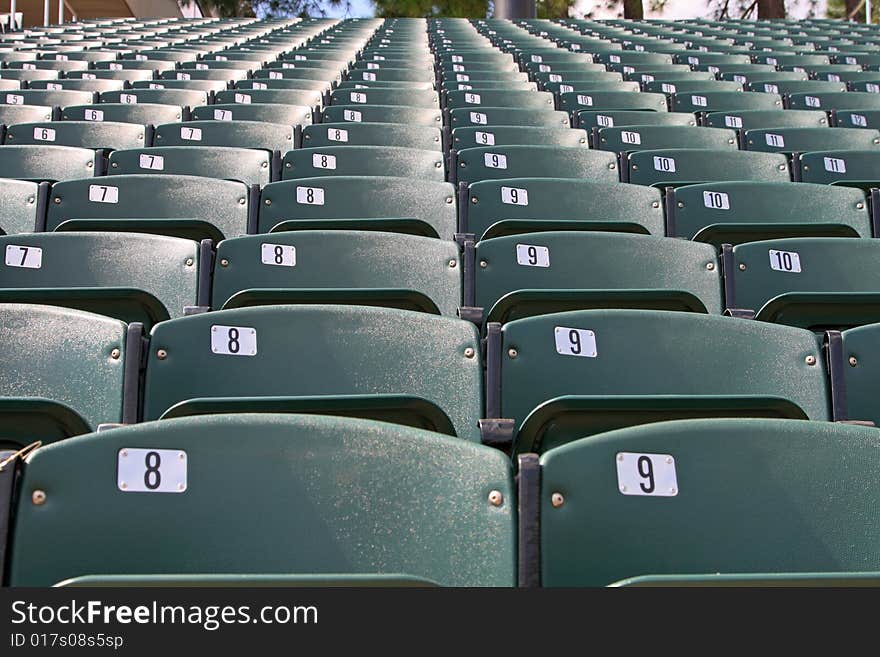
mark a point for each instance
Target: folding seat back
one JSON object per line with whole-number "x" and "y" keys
{"x": 406, "y": 98}
{"x": 415, "y": 116}
{"x": 680, "y": 166}
{"x": 371, "y": 268}
{"x": 758, "y": 119}
{"x": 363, "y": 161}
{"x": 22, "y": 205}
{"x": 590, "y": 86}
{"x": 575, "y": 77}
{"x": 393, "y": 75}
{"x": 316, "y": 460}
{"x": 736, "y": 212}
{"x": 248, "y": 165}
{"x": 726, "y": 101}
{"x": 236, "y": 133}
{"x": 680, "y": 365}
{"x": 278, "y": 114}
{"x": 812, "y": 282}
{"x": 590, "y": 119}
{"x": 134, "y": 278}
{"x": 208, "y": 86}
{"x": 517, "y": 135}
{"x": 177, "y": 97}
{"x": 381, "y": 203}
{"x": 789, "y": 140}
{"x": 692, "y": 58}
{"x": 183, "y": 206}
{"x": 11, "y": 114}
{"x": 857, "y": 119}
{"x": 46, "y": 97}
{"x": 285, "y": 83}
{"x": 572, "y": 101}
{"x": 216, "y": 74}
{"x": 590, "y": 525}
{"x": 91, "y": 85}
{"x": 65, "y": 372}
{"x": 307, "y": 97}
{"x": 28, "y": 75}
{"x": 502, "y": 162}
{"x": 372, "y": 134}
{"x": 81, "y": 134}
{"x": 515, "y": 116}
{"x": 522, "y": 205}
{"x": 526, "y": 100}
{"x": 796, "y": 86}
{"x": 638, "y": 137}
{"x": 841, "y": 100}
{"x": 347, "y": 352}
{"x": 854, "y": 168}
{"x": 48, "y": 162}
{"x": 142, "y": 114}
{"x": 523, "y": 275}
{"x": 690, "y": 86}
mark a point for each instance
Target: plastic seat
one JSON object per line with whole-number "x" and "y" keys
{"x": 573, "y": 101}
{"x": 407, "y": 98}
{"x": 65, "y": 372}
{"x": 680, "y": 166}
{"x": 306, "y": 97}
{"x": 413, "y": 116}
{"x": 134, "y": 278}
{"x": 47, "y": 98}
{"x": 524, "y": 275}
{"x": 745, "y": 211}
{"x": 501, "y": 162}
{"x": 236, "y": 134}
{"x": 513, "y": 116}
{"x": 11, "y": 114}
{"x": 857, "y": 119}
{"x": 638, "y": 137}
{"x": 788, "y": 140}
{"x": 843, "y": 100}
{"x": 32, "y": 162}
{"x": 523, "y": 205}
{"x": 278, "y": 114}
{"x": 319, "y": 470}
{"x": 370, "y": 268}
{"x": 248, "y": 165}
{"x": 854, "y": 168}
{"x": 381, "y": 203}
{"x": 82, "y": 134}
{"x": 724, "y": 101}
{"x": 590, "y": 119}
{"x": 760, "y": 119}
{"x": 528, "y": 100}
{"x": 517, "y": 135}
{"x": 678, "y": 365}
{"x": 372, "y": 134}
{"x": 141, "y": 114}
{"x": 176, "y": 97}
{"x": 180, "y": 206}
{"x": 813, "y": 282}
{"x": 22, "y": 205}
{"x": 361, "y": 361}
{"x": 828, "y": 530}
{"x": 363, "y": 161}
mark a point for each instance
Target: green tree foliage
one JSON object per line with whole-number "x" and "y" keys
{"x": 273, "y": 8}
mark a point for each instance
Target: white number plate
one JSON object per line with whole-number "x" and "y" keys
{"x": 699, "y": 101}
{"x": 93, "y": 115}
{"x": 473, "y": 99}
{"x": 628, "y": 137}
{"x": 282, "y": 255}
{"x": 777, "y": 141}
{"x": 244, "y": 99}
{"x": 771, "y": 89}
{"x": 667, "y": 88}
{"x": 530, "y": 255}
{"x": 812, "y": 101}
{"x": 334, "y": 134}
{"x": 605, "y": 121}
{"x": 514, "y": 196}
{"x": 859, "y": 120}
{"x": 575, "y": 342}
{"x": 351, "y": 115}
{"x": 716, "y": 200}
{"x": 788, "y": 261}
{"x": 151, "y": 470}
{"x": 183, "y": 76}
{"x": 479, "y": 118}
{"x": 29, "y": 257}
{"x": 234, "y": 340}
{"x": 14, "y": 99}
{"x": 733, "y": 122}
{"x": 128, "y": 99}
{"x": 103, "y": 194}
{"x": 834, "y": 164}
{"x": 495, "y": 160}
{"x": 310, "y": 195}
{"x": 646, "y": 474}
{"x": 154, "y": 162}
{"x": 585, "y": 100}
{"x": 222, "y": 115}
{"x": 323, "y": 161}
{"x": 358, "y": 97}
{"x": 44, "y": 134}
{"x": 191, "y": 134}
{"x": 485, "y": 138}
{"x": 664, "y": 164}
{"x": 371, "y": 77}
{"x": 276, "y": 75}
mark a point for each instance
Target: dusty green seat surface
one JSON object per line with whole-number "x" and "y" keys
{"x": 238, "y": 134}
{"x": 248, "y": 165}
{"x": 344, "y": 160}
{"x": 679, "y": 166}
{"x": 527, "y": 161}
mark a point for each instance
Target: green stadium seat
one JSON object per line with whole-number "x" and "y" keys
{"x": 843, "y": 100}
{"x": 248, "y": 165}
{"x": 811, "y": 282}
{"x": 134, "y": 278}
{"x": 142, "y": 114}
{"x": 759, "y": 119}
{"x": 679, "y": 365}
{"x": 680, "y": 166}
{"x": 789, "y": 140}
{"x": 744, "y": 211}
{"x": 51, "y": 163}
{"x": 180, "y": 206}
{"x": 11, "y": 114}
{"x": 495, "y": 208}
{"x": 278, "y": 114}
{"x": 176, "y": 97}
{"x": 724, "y": 101}
{"x": 65, "y": 372}
{"x": 81, "y": 134}
{"x": 236, "y": 134}
{"x": 381, "y": 203}
{"x": 770, "y": 580}
{"x": 521, "y": 161}
{"x": 93, "y": 86}
{"x": 370, "y": 268}
{"x": 372, "y": 134}
{"x": 524, "y": 100}
{"x": 363, "y": 161}
{"x": 590, "y": 119}
{"x": 47, "y": 98}
{"x": 638, "y": 137}
{"x": 854, "y": 168}
{"x": 207, "y": 86}
{"x": 406, "y": 98}
{"x": 307, "y": 97}
{"x": 320, "y": 470}
{"x": 592, "y": 527}
{"x": 22, "y": 205}
{"x": 573, "y": 101}
{"x": 857, "y": 119}
{"x": 515, "y": 116}
{"x": 524, "y": 275}
{"x": 663, "y": 86}
{"x": 344, "y": 349}
{"x": 413, "y": 116}
{"x": 462, "y": 138}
